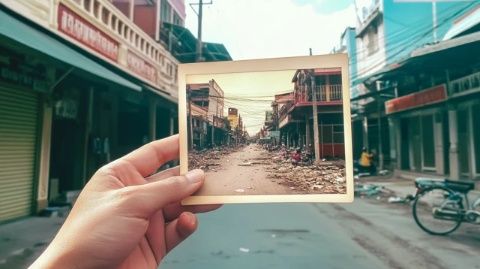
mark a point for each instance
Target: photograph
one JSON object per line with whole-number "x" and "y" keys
{"x": 269, "y": 133}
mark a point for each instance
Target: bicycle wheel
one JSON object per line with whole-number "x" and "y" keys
{"x": 438, "y": 210}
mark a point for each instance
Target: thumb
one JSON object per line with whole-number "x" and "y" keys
{"x": 146, "y": 199}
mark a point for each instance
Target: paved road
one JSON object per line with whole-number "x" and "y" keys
{"x": 230, "y": 178}
{"x": 365, "y": 234}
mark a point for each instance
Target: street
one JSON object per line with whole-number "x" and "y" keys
{"x": 241, "y": 172}
{"x": 365, "y": 234}
{"x": 252, "y": 170}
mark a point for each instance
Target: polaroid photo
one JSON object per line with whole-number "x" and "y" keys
{"x": 269, "y": 130}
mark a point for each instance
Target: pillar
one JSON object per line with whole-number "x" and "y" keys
{"x": 152, "y": 119}
{"x": 439, "y": 147}
{"x": 392, "y": 135}
{"x": 365, "y": 131}
{"x": 453, "y": 139}
{"x": 44, "y": 160}
{"x": 308, "y": 141}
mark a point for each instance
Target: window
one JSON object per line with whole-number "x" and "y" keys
{"x": 165, "y": 11}
{"x": 177, "y": 20}
{"x": 372, "y": 39}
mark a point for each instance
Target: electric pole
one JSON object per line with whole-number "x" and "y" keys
{"x": 199, "y": 57}
{"x": 199, "y": 38}
{"x": 316, "y": 143}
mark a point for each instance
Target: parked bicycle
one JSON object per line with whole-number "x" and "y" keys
{"x": 440, "y": 206}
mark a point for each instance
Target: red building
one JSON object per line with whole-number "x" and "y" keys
{"x": 295, "y": 111}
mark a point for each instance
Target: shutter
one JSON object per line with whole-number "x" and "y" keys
{"x": 18, "y": 136}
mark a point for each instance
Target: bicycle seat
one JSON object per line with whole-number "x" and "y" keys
{"x": 463, "y": 186}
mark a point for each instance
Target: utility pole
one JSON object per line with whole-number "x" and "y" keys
{"x": 190, "y": 125}
{"x": 200, "y": 4}
{"x": 315, "y": 116}
{"x": 316, "y": 141}
{"x": 199, "y": 38}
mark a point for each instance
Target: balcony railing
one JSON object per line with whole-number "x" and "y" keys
{"x": 465, "y": 84}
{"x": 323, "y": 93}
{"x": 103, "y": 30}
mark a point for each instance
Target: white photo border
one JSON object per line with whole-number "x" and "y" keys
{"x": 262, "y": 65}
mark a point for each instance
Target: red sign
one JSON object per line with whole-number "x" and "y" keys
{"x": 86, "y": 33}
{"x": 141, "y": 67}
{"x": 428, "y": 96}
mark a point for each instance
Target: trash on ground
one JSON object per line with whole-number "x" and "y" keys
{"x": 240, "y": 190}
{"x": 246, "y": 250}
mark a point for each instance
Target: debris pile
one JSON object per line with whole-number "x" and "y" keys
{"x": 207, "y": 159}
{"x": 325, "y": 177}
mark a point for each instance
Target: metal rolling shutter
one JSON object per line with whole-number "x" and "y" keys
{"x": 18, "y": 135}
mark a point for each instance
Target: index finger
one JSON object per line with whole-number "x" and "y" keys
{"x": 148, "y": 158}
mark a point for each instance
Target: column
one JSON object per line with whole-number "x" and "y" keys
{"x": 44, "y": 160}
{"x": 453, "y": 139}
{"x": 392, "y": 135}
{"x": 152, "y": 116}
{"x": 308, "y": 141}
{"x": 438, "y": 140}
{"x": 365, "y": 131}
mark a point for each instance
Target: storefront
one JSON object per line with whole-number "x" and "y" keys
{"x": 421, "y": 126}
{"x": 22, "y": 86}
{"x": 43, "y": 92}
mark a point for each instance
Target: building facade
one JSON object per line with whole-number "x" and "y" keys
{"x": 385, "y": 36}
{"x": 81, "y": 84}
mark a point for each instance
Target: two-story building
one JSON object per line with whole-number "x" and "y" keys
{"x": 295, "y": 111}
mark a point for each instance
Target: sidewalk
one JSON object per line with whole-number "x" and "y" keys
{"x": 402, "y": 187}
{"x": 22, "y": 241}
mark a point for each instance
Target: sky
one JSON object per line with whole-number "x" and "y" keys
{"x": 251, "y": 93}
{"x": 254, "y": 29}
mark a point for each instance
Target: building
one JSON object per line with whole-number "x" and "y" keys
{"x": 209, "y": 97}
{"x": 432, "y": 118}
{"x": 385, "y": 36}
{"x": 295, "y": 111}
{"x": 81, "y": 84}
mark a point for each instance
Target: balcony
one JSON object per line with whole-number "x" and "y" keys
{"x": 99, "y": 28}
{"x": 325, "y": 94}
{"x": 465, "y": 85}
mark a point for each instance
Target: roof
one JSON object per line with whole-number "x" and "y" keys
{"x": 464, "y": 23}
{"x": 451, "y": 53}
{"x": 183, "y": 45}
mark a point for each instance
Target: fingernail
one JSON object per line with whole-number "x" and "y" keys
{"x": 195, "y": 176}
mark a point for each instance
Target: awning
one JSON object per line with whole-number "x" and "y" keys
{"x": 166, "y": 96}
{"x": 19, "y": 31}
{"x": 183, "y": 45}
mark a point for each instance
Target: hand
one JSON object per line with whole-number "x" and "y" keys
{"x": 125, "y": 217}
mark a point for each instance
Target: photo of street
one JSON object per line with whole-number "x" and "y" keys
{"x": 267, "y": 133}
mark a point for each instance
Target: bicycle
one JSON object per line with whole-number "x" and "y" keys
{"x": 440, "y": 206}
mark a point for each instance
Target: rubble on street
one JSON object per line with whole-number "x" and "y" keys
{"x": 208, "y": 159}
{"x": 326, "y": 177}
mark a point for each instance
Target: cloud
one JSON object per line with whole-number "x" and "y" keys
{"x": 253, "y": 29}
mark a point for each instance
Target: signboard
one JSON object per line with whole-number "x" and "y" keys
{"x": 425, "y": 97}
{"x": 14, "y": 69}
{"x": 141, "y": 67}
{"x": 86, "y": 33}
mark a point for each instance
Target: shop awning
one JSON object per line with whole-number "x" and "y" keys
{"x": 19, "y": 31}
